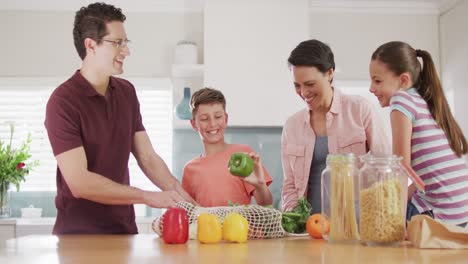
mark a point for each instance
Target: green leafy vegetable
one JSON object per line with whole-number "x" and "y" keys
{"x": 295, "y": 220}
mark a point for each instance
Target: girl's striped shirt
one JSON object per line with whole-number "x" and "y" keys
{"x": 445, "y": 175}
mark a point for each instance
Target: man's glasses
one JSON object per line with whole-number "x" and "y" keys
{"x": 119, "y": 43}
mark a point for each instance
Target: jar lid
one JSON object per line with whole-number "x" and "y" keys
{"x": 369, "y": 157}
{"x": 343, "y": 158}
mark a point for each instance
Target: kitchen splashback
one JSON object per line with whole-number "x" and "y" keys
{"x": 266, "y": 141}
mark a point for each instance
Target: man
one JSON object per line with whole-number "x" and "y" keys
{"x": 93, "y": 121}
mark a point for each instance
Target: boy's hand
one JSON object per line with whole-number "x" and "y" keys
{"x": 257, "y": 178}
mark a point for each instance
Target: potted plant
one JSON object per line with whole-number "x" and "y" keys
{"x": 14, "y": 167}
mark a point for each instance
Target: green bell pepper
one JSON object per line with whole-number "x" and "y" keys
{"x": 241, "y": 164}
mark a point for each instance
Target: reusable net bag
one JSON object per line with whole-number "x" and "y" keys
{"x": 263, "y": 222}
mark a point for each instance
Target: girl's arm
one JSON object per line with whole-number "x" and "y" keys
{"x": 401, "y": 138}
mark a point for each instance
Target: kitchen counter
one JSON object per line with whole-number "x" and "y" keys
{"x": 150, "y": 249}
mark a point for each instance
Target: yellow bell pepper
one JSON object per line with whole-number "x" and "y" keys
{"x": 235, "y": 228}
{"x": 209, "y": 228}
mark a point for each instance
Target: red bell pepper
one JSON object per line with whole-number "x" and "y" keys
{"x": 175, "y": 226}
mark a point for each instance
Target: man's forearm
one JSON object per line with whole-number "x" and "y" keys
{"x": 157, "y": 171}
{"x": 97, "y": 188}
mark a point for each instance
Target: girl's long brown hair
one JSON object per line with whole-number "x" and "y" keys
{"x": 400, "y": 57}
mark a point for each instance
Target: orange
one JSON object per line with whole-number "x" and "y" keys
{"x": 314, "y": 226}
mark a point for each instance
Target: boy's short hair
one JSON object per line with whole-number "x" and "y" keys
{"x": 90, "y": 22}
{"x": 206, "y": 96}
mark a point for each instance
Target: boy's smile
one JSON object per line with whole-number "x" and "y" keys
{"x": 213, "y": 131}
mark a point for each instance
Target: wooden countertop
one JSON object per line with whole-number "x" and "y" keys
{"x": 150, "y": 249}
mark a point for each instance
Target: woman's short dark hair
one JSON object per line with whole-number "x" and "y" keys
{"x": 312, "y": 53}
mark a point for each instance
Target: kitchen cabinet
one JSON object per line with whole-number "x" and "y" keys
{"x": 18, "y": 227}
{"x": 246, "y": 47}
{"x": 7, "y": 229}
{"x": 454, "y": 54}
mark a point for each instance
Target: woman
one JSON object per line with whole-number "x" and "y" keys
{"x": 429, "y": 138}
{"x": 332, "y": 123}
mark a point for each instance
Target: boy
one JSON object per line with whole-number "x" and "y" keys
{"x": 207, "y": 178}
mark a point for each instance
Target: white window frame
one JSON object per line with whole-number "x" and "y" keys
{"x": 159, "y": 128}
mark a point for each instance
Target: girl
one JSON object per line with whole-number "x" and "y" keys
{"x": 424, "y": 130}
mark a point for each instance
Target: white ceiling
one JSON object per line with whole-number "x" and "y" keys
{"x": 418, "y": 6}
{"x": 386, "y": 6}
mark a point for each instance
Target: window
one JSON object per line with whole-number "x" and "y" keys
{"x": 23, "y": 101}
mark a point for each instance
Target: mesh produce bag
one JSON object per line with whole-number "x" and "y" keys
{"x": 263, "y": 222}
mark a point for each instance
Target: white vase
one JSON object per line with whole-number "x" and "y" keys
{"x": 185, "y": 52}
{"x": 4, "y": 200}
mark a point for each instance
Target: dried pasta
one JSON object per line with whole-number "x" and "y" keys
{"x": 381, "y": 212}
{"x": 343, "y": 224}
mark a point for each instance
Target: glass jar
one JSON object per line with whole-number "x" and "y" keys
{"x": 382, "y": 200}
{"x": 339, "y": 199}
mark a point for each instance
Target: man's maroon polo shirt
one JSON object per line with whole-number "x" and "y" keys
{"x": 78, "y": 116}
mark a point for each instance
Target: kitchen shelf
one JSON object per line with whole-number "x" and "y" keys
{"x": 181, "y": 124}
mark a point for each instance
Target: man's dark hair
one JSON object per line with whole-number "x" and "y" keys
{"x": 91, "y": 21}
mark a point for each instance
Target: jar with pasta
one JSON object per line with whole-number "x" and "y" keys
{"x": 382, "y": 200}
{"x": 339, "y": 198}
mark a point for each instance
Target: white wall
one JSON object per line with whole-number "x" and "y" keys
{"x": 454, "y": 55}
{"x": 40, "y": 43}
{"x": 246, "y": 57}
{"x": 353, "y": 36}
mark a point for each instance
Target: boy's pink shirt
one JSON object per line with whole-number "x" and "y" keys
{"x": 208, "y": 181}
{"x": 353, "y": 126}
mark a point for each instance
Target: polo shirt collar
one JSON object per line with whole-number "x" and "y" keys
{"x": 85, "y": 88}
